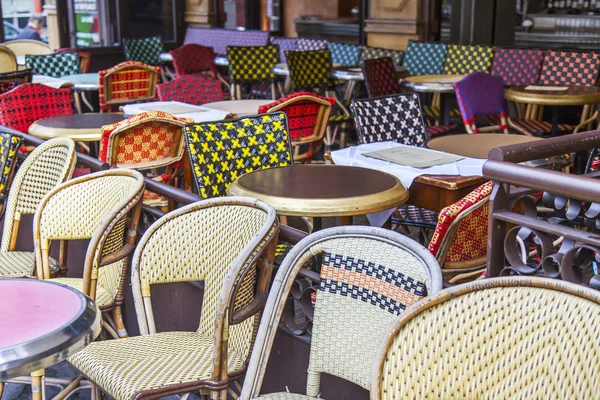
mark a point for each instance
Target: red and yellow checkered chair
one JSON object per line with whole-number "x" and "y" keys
{"x": 191, "y": 89}
{"x": 143, "y": 142}
{"x": 126, "y": 83}
{"x": 460, "y": 239}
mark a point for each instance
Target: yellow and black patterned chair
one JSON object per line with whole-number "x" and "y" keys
{"x": 464, "y": 59}
{"x": 253, "y": 66}
{"x": 222, "y": 151}
{"x": 9, "y": 146}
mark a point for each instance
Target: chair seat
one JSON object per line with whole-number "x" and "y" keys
{"x": 541, "y": 128}
{"x": 16, "y": 264}
{"x": 285, "y": 396}
{"x": 103, "y": 297}
{"x": 417, "y": 215}
{"x": 128, "y": 366}
{"x": 439, "y": 130}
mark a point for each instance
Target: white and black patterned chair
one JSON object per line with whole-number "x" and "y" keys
{"x": 54, "y": 65}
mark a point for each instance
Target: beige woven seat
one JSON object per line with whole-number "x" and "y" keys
{"x": 229, "y": 244}
{"x": 368, "y": 276}
{"x": 8, "y": 60}
{"x": 499, "y": 338}
{"x": 45, "y": 168}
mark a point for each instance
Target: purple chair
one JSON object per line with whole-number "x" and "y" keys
{"x": 517, "y": 66}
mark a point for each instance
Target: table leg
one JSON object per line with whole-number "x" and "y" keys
{"x": 346, "y": 220}
{"x": 36, "y": 385}
{"x": 554, "y": 122}
{"x": 77, "y": 102}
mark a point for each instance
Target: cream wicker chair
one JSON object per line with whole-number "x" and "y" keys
{"x": 8, "y": 60}
{"x": 105, "y": 208}
{"x": 24, "y": 47}
{"x": 368, "y": 277}
{"x": 226, "y": 242}
{"x": 498, "y": 338}
{"x": 46, "y": 167}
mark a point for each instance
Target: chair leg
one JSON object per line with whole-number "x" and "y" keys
{"x": 119, "y": 324}
{"x": 36, "y": 385}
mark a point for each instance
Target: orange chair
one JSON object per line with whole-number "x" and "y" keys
{"x": 126, "y": 83}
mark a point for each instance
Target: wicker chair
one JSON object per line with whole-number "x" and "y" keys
{"x": 364, "y": 275}
{"x": 499, "y": 338}
{"x": 345, "y": 54}
{"x": 127, "y": 83}
{"x": 466, "y": 59}
{"x": 232, "y": 252}
{"x": 570, "y": 68}
{"x": 25, "y": 104}
{"x": 8, "y": 60}
{"x": 144, "y": 50}
{"x": 46, "y": 167}
{"x": 191, "y": 89}
{"x": 24, "y": 47}
{"x": 307, "y": 44}
{"x": 11, "y": 80}
{"x": 253, "y": 65}
{"x": 517, "y": 66}
{"x": 284, "y": 43}
{"x": 369, "y": 53}
{"x": 9, "y": 148}
{"x": 54, "y": 65}
{"x": 194, "y": 59}
{"x": 85, "y": 59}
{"x": 380, "y": 77}
{"x": 423, "y": 58}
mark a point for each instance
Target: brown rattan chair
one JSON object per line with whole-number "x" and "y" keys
{"x": 46, "y": 167}
{"x": 368, "y": 276}
{"x": 226, "y": 242}
{"x": 495, "y": 338}
{"x": 8, "y": 60}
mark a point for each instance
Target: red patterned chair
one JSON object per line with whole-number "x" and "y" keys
{"x": 193, "y": 59}
{"x": 25, "y": 104}
{"x": 144, "y": 142}
{"x": 192, "y": 89}
{"x": 308, "y": 116}
{"x": 570, "y": 68}
{"x": 126, "y": 83}
{"x": 517, "y": 66}
{"x": 380, "y": 77}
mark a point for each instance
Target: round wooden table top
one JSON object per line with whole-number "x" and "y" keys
{"x": 322, "y": 190}
{"x": 79, "y": 127}
{"x": 476, "y": 145}
{"x": 239, "y": 107}
{"x": 432, "y": 83}
{"x": 553, "y": 95}
{"x": 42, "y": 324}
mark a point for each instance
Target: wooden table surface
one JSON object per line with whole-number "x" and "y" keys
{"x": 435, "y": 192}
{"x": 476, "y": 145}
{"x": 79, "y": 127}
{"x": 572, "y": 96}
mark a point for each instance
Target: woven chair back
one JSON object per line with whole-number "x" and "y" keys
{"x": 480, "y": 94}
{"x": 144, "y": 141}
{"x": 369, "y": 53}
{"x": 284, "y": 44}
{"x": 11, "y": 80}
{"x": 27, "y": 103}
{"x": 570, "y": 68}
{"x": 423, "y": 58}
{"x": 54, "y": 65}
{"x": 220, "y": 38}
{"x": 8, "y": 60}
{"x": 194, "y": 58}
{"x": 50, "y": 164}
{"x": 466, "y": 59}
{"x": 517, "y": 66}
{"x": 306, "y": 44}
{"x": 252, "y": 63}
{"x": 85, "y": 59}
{"x": 347, "y": 55}
{"x": 395, "y": 118}
{"x": 222, "y": 151}
{"x": 310, "y": 69}
{"x": 23, "y": 47}
{"x": 126, "y": 83}
{"x": 368, "y": 276}
{"x": 517, "y": 337}
{"x": 145, "y": 50}
{"x": 191, "y": 89}
{"x": 380, "y": 77}
{"x": 9, "y": 148}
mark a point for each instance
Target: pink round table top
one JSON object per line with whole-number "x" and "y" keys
{"x": 30, "y": 309}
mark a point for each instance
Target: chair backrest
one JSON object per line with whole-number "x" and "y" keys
{"x": 194, "y": 58}
{"x": 144, "y": 141}
{"x": 49, "y": 165}
{"x": 310, "y": 69}
{"x": 368, "y": 53}
{"x": 191, "y": 89}
{"x": 221, "y": 151}
{"x": 307, "y": 115}
{"x": 494, "y": 338}
{"x": 145, "y": 50}
{"x": 25, "y": 104}
{"x": 380, "y": 76}
{"x": 284, "y": 44}
{"x": 480, "y": 94}
{"x": 466, "y": 59}
{"x": 570, "y": 68}
{"x": 85, "y": 58}
{"x": 126, "y": 83}
{"x": 23, "y": 47}
{"x": 345, "y": 54}
{"x": 9, "y": 148}
{"x": 54, "y": 65}
{"x": 306, "y": 44}
{"x": 11, "y": 80}
{"x": 368, "y": 276}
{"x": 395, "y": 118}
{"x": 252, "y": 63}
{"x": 424, "y": 58}
{"x": 220, "y": 38}
{"x": 8, "y": 60}
{"x": 517, "y": 66}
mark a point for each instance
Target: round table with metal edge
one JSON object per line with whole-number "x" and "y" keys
{"x": 79, "y": 127}
{"x": 220, "y": 60}
{"x": 82, "y": 83}
{"x": 322, "y": 190}
{"x": 240, "y": 108}
{"x": 439, "y": 85}
{"x": 355, "y": 73}
{"x": 43, "y": 323}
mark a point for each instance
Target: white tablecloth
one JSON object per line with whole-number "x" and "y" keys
{"x": 55, "y": 83}
{"x": 202, "y": 114}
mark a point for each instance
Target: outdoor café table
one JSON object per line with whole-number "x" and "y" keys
{"x": 441, "y": 84}
{"x": 83, "y": 83}
{"x": 238, "y": 107}
{"x": 177, "y": 108}
{"x": 220, "y": 60}
{"x": 42, "y": 323}
{"x": 79, "y": 127}
{"x": 321, "y": 190}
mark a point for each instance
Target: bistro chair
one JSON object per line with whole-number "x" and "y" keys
{"x": 27, "y": 103}
{"x": 191, "y": 59}
{"x": 347, "y": 55}
{"x": 22, "y": 47}
{"x": 465, "y": 59}
{"x": 11, "y": 80}
{"x": 516, "y": 337}
{"x": 253, "y": 66}
{"x": 517, "y": 66}
{"x": 46, "y": 167}
{"x": 227, "y": 244}
{"x": 306, "y": 44}
{"x": 144, "y": 50}
{"x": 126, "y": 83}
{"x": 369, "y": 53}
{"x": 191, "y": 89}
{"x": 284, "y": 44}
{"x": 9, "y": 149}
{"x": 570, "y": 68}
{"x": 85, "y": 59}
{"x": 8, "y": 60}
{"x": 146, "y": 141}
{"x": 380, "y": 76}
{"x": 423, "y": 58}
{"x": 54, "y": 65}
{"x": 368, "y": 276}
{"x": 222, "y": 151}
